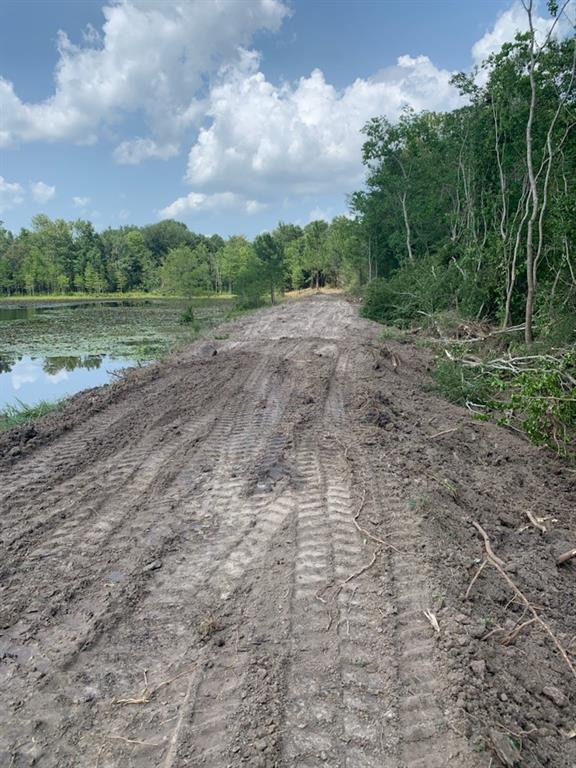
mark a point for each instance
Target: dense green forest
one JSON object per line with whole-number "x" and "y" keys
{"x": 468, "y": 215}
{"x": 58, "y": 257}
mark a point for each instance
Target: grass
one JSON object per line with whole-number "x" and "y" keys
{"x": 19, "y": 414}
{"x": 20, "y": 298}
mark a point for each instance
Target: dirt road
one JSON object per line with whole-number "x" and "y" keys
{"x": 225, "y": 560}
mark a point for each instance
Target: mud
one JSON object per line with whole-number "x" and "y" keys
{"x": 225, "y": 560}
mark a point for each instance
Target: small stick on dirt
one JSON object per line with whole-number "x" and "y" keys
{"x": 146, "y": 695}
{"x": 492, "y": 632}
{"x": 489, "y": 551}
{"x": 367, "y": 533}
{"x": 535, "y": 522}
{"x": 515, "y": 632}
{"x": 499, "y": 565}
{"x": 443, "y": 432}
{"x": 135, "y": 741}
{"x": 478, "y": 572}
{"x": 566, "y": 556}
{"x": 362, "y": 570}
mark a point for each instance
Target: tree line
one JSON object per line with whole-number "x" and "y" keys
{"x": 60, "y": 257}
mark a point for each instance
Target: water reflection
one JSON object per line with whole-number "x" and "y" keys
{"x": 28, "y": 312}
{"x": 30, "y": 379}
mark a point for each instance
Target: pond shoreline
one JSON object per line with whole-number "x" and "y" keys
{"x": 13, "y": 302}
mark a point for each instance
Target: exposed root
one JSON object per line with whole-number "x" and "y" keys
{"x": 342, "y": 584}
{"x": 489, "y": 551}
{"x": 364, "y": 531}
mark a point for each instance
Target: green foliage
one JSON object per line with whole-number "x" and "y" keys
{"x": 461, "y": 384}
{"x": 186, "y": 271}
{"x": 536, "y": 394}
{"x": 16, "y": 415}
{"x": 187, "y": 317}
{"x": 251, "y": 284}
{"x": 544, "y": 401}
{"x": 270, "y": 252}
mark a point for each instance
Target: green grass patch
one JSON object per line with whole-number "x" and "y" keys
{"x": 42, "y": 298}
{"x": 21, "y": 413}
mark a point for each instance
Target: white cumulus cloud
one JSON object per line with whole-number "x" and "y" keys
{"x": 515, "y": 20}
{"x": 265, "y": 141}
{"x": 151, "y": 55}
{"x": 198, "y": 201}
{"x": 42, "y": 192}
{"x": 80, "y": 202}
{"x": 11, "y": 194}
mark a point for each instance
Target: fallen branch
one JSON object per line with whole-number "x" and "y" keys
{"x": 499, "y": 565}
{"x": 566, "y": 556}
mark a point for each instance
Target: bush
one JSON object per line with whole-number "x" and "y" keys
{"x": 188, "y": 315}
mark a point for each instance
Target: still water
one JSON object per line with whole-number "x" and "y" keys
{"x": 30, "y": 379}
{"x": 51, "y": 351}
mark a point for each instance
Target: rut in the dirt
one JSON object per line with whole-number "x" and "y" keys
{"x": 222, "y": 565}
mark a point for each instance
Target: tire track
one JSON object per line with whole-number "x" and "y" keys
{"x": 425, "y": 739}
{"x": 231, "y": 445}
{"x": 216, "y": 576}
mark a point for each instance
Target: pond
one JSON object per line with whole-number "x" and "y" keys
{"x": 49, "y": 351}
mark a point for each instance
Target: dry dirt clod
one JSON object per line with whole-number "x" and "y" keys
{"x": 555, "y": 695}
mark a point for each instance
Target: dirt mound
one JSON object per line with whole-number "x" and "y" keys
{"x": 238, "y": 558}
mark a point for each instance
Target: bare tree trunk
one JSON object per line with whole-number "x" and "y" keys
{"x": 369, "y": 259}
{"x": 407, "y": 226}
{"x": 537, "y": 212}
{"x": 530, "y": 274}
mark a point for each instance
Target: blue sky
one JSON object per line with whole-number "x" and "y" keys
{"x": 229, "y": 116}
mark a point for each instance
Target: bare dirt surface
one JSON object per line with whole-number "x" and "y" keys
{"x": 225, "y": 559}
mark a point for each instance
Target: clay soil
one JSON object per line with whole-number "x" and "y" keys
{"x": 225, "y": 560}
